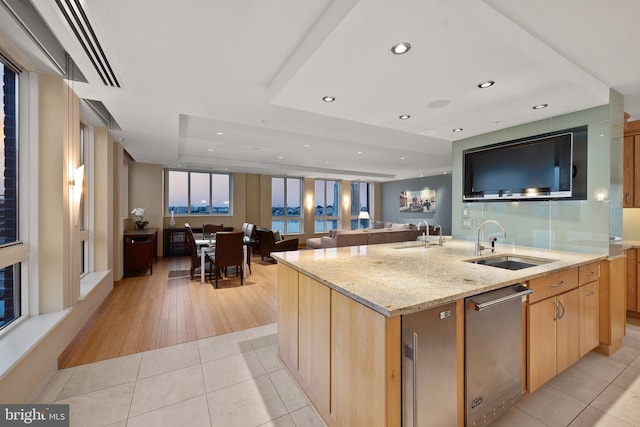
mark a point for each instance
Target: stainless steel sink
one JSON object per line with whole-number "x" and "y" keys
{"x": 510, "y": 262}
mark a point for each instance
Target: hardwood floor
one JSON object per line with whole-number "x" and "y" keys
{"x": 166, "y": 308}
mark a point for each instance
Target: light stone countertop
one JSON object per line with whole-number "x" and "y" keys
{"x": 402, "y": 278}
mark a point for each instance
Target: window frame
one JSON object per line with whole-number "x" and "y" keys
{"x": 336, "y": 208}
{"x": 356, "y": 206}
{"x": 86, "y": 218}
{"x": 287, "y": 218}
{"x": 211, "y": 206}
{"x": 15, "y": 253}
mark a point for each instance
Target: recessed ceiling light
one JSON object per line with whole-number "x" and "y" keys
{"x": 400, "y": 48}
{"x": 457, "y": 130}
{"x": 404, "y": 117}
{"x": 359, "y": 152}
{"x": 486, "y": 84}
{"x": 540, "y": 106}
{"x": 220, "y": 133}
{"x": 328, "y": 98}
{"x": 326, "y": 163}
{"x": 279, "y": 157}
{"x": 306, "y": 145}
{"x": 401, "y": 158}
{"x": 209, "y": 149}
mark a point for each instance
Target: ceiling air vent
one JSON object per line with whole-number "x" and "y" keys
{"x": 77, "y": 19}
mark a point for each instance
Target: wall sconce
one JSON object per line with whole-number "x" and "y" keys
{"x": 346, "y": 201}
{"x": 601, "y": 196}
{"x": 309, "y": 201}
{"x": 76, "y": 192}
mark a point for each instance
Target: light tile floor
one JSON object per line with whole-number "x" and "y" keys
{"x": 238, "y": 380}
{"x": 229, "y": 380}
{"x": 596, "y": 391}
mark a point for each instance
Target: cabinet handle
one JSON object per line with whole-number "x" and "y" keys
{"x": 592, "y": 293}
{"x": 626, "y": 198}
{"x": 555, "y": 315}
{"x": 563, "y": 310}
{"x": 555, "y": 285}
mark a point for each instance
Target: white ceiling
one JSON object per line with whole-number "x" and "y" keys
{"x": 256, "y": 71}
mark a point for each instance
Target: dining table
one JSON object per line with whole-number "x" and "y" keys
{"x": 208, "y": 246}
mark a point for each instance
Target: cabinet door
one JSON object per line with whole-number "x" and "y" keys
{"x": 628, "y": 172}
{"x": 636, "y": 173}
{"x": 632, "y": 280}
{"x": 365, "y": 365}
{"x": 314, "y": 327}
{"x": 568, "y": 327}
{"x": 589, "y": 317}
{"x": 541, "y": 318}
{"x": 288, "y": 316}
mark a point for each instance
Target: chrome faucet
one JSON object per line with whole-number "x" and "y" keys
{"x": 440, "y": 239}
{"x": 425, "y": 235}
{"x": 479, "y": 247}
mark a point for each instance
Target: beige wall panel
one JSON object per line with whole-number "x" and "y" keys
{"x": 146, "y": 190}
{"x": 53, "y": 197}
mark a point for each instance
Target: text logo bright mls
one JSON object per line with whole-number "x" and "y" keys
{"x": 34, "y": 415}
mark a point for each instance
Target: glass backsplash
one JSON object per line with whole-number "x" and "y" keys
{"x": 572, "y": 225}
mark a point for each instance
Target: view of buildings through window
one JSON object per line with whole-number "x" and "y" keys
{"x": 9, "y": 274}
{"x": 360, "y": 202}
{"x": 198, "y": 193}
{"x": 286, "y": 215}
{"x": 327, "y": 208}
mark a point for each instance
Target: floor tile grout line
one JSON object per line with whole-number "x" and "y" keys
{"x": 206, "y": 395}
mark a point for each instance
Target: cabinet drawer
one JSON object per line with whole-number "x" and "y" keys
{"x": 588, "y": 273}
{"x": 553, "y": 284}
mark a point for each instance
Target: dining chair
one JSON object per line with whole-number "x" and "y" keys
{"x": 209, "y": 230}
{"x": 249, "y": 231}
{"x": 229, "y": 253}
{"x": 195, "y": 256}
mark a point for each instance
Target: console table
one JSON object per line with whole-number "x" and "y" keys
{"x": 140, "y": 249}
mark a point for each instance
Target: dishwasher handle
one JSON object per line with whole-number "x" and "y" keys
{"x": 513, "y": 292}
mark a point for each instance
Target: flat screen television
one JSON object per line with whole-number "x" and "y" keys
{"x": 536, "y": 168}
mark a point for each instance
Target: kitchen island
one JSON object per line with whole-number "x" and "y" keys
{"x": 340, "y": 310}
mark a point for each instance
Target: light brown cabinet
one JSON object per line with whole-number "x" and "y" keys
{"x": 633, "y": 287}
{"x": 553, "y": 343}
{"x": 589, "y": 317}
{"x": 314, "y": 321}
{"x": 344, "y": 355}
{"x": 288, "y": 316}
{"x": 562, "y": 320}
{"x": 588, "y": 279}
{"x": 612, "y": 304}
{"x": 631, "y": 170}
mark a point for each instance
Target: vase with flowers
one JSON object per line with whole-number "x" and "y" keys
{"x": 140, "y": 223}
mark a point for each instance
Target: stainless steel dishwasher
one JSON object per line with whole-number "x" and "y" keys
{"x": 429, "y": 369}
{"x": 493, "y": 353}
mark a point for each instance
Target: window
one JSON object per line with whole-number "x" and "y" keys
{"x": 286, "y": 194}
{"x": 360, "y": 202}
{"x": 327, "y": 208}
{"x": 83, "y": 217}
{"x": 198, "y": 193}
{"x": 10, "y": 302}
